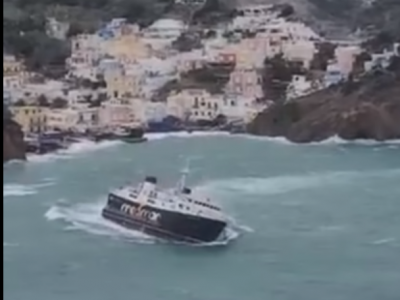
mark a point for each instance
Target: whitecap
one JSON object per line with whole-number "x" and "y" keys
{"x": 257, "y": 186}
{"x": 334, "y": 140}
{"x": 184, "y": 134}
{"x": 6, "y": 244}
{"x": 74, "y": 150}
{"x": 20, "y": 190}
{"x": 389, "y": 240}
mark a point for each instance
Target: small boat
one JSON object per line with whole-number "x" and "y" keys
{"x": 175, "y": 214}
{"x": 128, "y": 135}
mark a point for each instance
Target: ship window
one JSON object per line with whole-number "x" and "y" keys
{"x": 151, "y": 201}
{"x": 180, "y": 206}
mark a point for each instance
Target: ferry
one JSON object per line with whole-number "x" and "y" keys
{"x": 174, "y": 214}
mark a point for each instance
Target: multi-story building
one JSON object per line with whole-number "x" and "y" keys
{"x": 236, "y": 107}
{"x": 196, "y": 105}
{"x": 127, "y": 49}
{"x": 345, "y": 57}
{"x": 117, "y": 112}
{"x": 86, "y": 49}
{"x": 14, "y": 73}
{"x": 62, "y": 119}
{"x": 32, "y": 119}
{"x": 124, "y": 83}
{"x": 245, "y": 82}
{"x": 166, "y": 29}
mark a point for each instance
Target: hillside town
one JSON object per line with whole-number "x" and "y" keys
{"x": 116, "y": 75}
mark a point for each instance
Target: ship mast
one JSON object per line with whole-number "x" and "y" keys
{"x": 182, "y": 181}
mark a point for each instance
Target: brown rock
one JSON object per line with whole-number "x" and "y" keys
{"x": 369, "y": 109}
{"x": 13, "y": 141}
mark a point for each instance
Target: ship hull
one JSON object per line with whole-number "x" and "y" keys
{"x": 163, "y": 224}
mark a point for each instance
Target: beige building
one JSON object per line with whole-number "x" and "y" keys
{"x": 127, "y": 49}
{"x": 345, "y": 57}
{"x": 245, "y": 82}
{"x": 78, "y": 118}
{"x": 200, "y": 105}
{"x": 31, "y": 118}
{"x": 86, "y": 50}
{"x": 14, "y": 73}
{"x": 62, "y": 119}
{"x": 11, "y": 66}
{"x": 123, "y": 83}
{"x": 116, "y": 113}
{"x": 300, "y": 51}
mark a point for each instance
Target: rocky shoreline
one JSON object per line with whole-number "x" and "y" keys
{"x": 13, "y": 141}
{"x": 366, "y": 109}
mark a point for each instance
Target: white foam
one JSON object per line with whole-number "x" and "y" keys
{"x": 184, "y": 134}
{"x": 20, "y": 190}
{"x": 89, "y": 146}
{"x": 75, "y": 149}
{"x": 5, "y": 244}
{"x": 87, "y": 217}
{"x": 334, "y": 140}
{"x": 286, "y": 183}
{"x": 388, "y": 240}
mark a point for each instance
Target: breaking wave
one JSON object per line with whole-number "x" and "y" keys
{"x": 87, "y": 217}
{"x": 334, "y": 140}
{"x": 20, "y": 190}
{"x": 184, "y": 134}
{"x": 257, "y": 186}
{"x": 75, "y": 149}
{"x": 88, "y": 146}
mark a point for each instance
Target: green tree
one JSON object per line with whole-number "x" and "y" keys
{"x": 59, "y": 103}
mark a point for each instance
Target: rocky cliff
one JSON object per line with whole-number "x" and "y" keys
{"x": 366, "y": 109}
{"x": 13, "y": 141}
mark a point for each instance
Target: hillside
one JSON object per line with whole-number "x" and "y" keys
{"x": 24, "y": 25}
{"x": 24, "y": 21}
{"x": 367, "y": 109}
{"x": 338, "y": 19}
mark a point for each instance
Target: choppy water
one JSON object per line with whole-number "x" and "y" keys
{"x": 313, "y": 222}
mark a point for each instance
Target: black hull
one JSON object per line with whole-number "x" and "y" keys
{"x": 169, "y": 225}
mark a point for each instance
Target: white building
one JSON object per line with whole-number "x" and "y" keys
{"x": 87, "y": 50}
{"x": 62, "y": 119}
{"x": 146, "y": 111}
{"x": 345, "y": 57}
{"x": 30, "y": 92}
{"x": 300, "y": 51}
{"x": 299, "y": 86}
{"x": 166, "y": 29}
{"x": 118, "y": 112}
{"x": 200, "y": 105}
{"x": 78, "y": 118}
{"x": 13, "y": 82}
